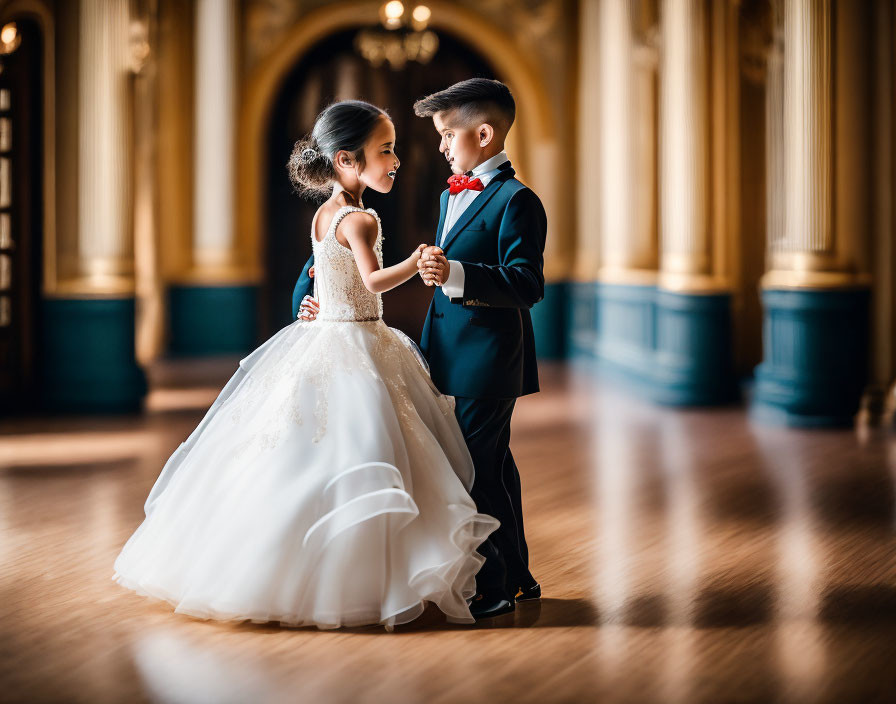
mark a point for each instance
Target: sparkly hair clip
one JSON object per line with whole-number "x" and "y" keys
{"x": 309, "y": 154}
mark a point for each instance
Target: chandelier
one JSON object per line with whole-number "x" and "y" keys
{"x": 403, "y": 37}
{"x": 9, "y": 38}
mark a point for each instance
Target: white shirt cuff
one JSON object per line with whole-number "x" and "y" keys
{"x": 454, "y": 284}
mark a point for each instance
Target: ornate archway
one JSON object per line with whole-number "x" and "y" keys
{"x": 534, "y": 145}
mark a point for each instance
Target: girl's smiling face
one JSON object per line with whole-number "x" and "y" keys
{"x": 380, "y": 160}
{"x": 461, "y": 145}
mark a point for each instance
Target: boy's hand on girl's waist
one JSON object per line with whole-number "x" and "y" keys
{"x": 309, "y": 309}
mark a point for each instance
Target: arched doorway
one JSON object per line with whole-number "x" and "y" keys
{"x": 534, "y": 142}
{"x": 332, "y": 70}
{"x": 21, "y": 212}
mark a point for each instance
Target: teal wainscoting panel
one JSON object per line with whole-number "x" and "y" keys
{"x": 87, "y": 360}
{"x": 212, "y": 320}
{"x": 815, "y": 357}
{"x": 693, "y": 362}
{"x": 626, "y": 332}
{"x": 672, "y": 348}
{"x": 581, "y": 321}
{"x": 549, "y": 322}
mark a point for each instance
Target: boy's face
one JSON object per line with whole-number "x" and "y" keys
{"x": 462, "y": 146}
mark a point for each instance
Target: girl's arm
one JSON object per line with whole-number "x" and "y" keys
{"x": 360, "y": 230}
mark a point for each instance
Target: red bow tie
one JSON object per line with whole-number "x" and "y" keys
{"x": 462, "y": 182}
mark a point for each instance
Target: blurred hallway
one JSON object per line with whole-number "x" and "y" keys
{"x": 718, "y": 178}
{"x": 686, "y": 556}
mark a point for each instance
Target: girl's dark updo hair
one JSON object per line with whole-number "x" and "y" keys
{"x": 341, "y": 126}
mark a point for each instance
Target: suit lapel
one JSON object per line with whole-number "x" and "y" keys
{"x": 443, "y": 210}
{"x": 481, "y": 200}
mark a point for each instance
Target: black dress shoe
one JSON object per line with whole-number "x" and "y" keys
{"x": 489, "y": 607}
{"x": 531, "y": 593}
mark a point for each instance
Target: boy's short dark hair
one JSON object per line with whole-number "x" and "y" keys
{"x": 474, "y": 99}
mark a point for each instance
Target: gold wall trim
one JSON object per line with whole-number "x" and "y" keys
{"x": 535, "y": 135}
{"x": 803, "y": 280}
{"x": 37, "y": 10}
{"x": 696, "y": 284}
{"x": 628, "y": 277}
{"x": 93, "y": 288}
{"x": 223, "y": 276}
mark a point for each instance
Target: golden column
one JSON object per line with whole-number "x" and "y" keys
{"x": 588, "y": 179}
{"x": 686, "y": 258}
{"x": 692, "y": 364}
{"x": 213, "y": 306}
{"x": 582, "y": 289}
{"x": 626, "y": 207}
{"x": 815, "y": 293}
{"x": 627, "y": 160}
{"x": 617, "y": 250}
{"x": 615, "y": 144}
{"x": 214, "y": 139}
{"x": 809, "y": 247}
{"x": 105, "y": 242}
{"x": 89, "y": 317}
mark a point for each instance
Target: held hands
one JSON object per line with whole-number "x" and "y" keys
{"x": 433, "y": 267}
{"x": 431, "y": 264}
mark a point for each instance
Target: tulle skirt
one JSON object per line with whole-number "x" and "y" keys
{"x": 327, "y": 485}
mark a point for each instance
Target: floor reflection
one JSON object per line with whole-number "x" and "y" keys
{"x": 175, "y": 670}
{"x": 685, "y": 555}
{"x": 799, "y": 638}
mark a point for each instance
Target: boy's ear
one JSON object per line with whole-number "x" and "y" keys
{"x": 486, "y": 134}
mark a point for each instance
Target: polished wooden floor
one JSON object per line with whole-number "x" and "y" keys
{"x": 685, "y": 555}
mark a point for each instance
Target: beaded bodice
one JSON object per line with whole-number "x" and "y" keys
{"x": 338, "y": 286}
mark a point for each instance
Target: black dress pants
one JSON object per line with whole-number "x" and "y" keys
{"x": 485, "y": 424}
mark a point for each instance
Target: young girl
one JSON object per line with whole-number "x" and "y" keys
{"x": 328, "y": 482}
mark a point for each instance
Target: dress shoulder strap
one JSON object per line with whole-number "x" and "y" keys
{"x": 345, "y": 210}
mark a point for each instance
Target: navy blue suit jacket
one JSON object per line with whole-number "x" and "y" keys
{"x": 482, "y": 345}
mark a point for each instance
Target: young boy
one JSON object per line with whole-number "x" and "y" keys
{"x": 478, "y": 339}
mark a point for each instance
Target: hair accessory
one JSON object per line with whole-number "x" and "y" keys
{"x": 309, "y": 154}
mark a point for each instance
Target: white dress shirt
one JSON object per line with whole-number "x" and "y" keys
{"x": 457, "y": 204}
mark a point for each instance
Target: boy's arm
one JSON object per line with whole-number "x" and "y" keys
{"x": 304, "y": 287}
{"x": 518, "y": 281}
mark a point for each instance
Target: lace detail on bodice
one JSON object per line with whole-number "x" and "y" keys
{"x": 338, "y": 286}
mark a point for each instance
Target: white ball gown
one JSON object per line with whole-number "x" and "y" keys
{"x": 327, "y": 484}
